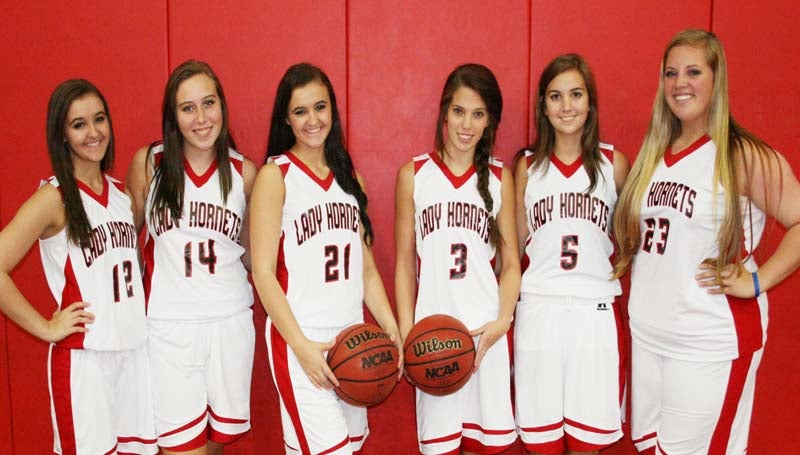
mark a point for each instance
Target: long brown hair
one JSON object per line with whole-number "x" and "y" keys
{"x": 169, "y": 175}
{"x": 728, "y": 136}
{"x": 544, "y": 145}
{"x": 480, "y": 79}
{"x": 281, "y": 137}
{"x": 79, "y": 230}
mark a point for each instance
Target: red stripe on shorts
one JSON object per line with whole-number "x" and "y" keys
{"x": 60, "y": 368}
{"x": 722, "y": 433}
{"x": 449, "y": 437}
{"x": 280, "y": 364}
{"x": 585, "y": 427}
{"x": 338, "y": 446}
{"x": 549, "y": 427}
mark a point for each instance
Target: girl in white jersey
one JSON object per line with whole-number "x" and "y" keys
{"x": 568, "y": 355}
{"x": 688, "y": 220}
{"x": 312, "y": 262}
{"x": 98, "y": 377}
{"x": 191, "y": 192}
{"x": 454, "y": 211}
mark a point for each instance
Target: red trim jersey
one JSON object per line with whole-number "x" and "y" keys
{"x": 680, "y": 220}
{"x": 104, "y": 274}
{"x": 320, "y": 260}
{"x": 193, "y": 269}
{"x": 455, "y": 259}
{"x": 569, "y": 245}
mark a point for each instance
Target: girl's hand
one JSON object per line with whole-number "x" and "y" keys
{"x": 490, "y": 333}
{"x": 394, "y": 336}
{"x": 311, "y": 356}
{"x": 66, "y": 322}
{"x": 735, "y": 280}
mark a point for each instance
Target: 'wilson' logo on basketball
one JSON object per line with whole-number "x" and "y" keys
{"x": 433, "y": 345}
{"x": 369, "y": 361}
{"x": 363, "y": 337}
{"x": 442, "y": 371}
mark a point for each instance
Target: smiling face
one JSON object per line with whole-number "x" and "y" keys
{"x": 466, "y": 119}
{"x": 310, "y": 116}
{"x": 567, "y": 103}
{"x": 87, "y": 130}
{"x": 688, "y": 86}
{"x": 199, "y": 113}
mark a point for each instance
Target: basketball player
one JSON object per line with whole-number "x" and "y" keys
{"x": 697, "y": 198}
{"x": 98, "y": 370}
{"x": 568, "y": 370}
{"x": 191, "y": 190}
{"x": 454, "y": 211}
{"x": 312, "y": 262}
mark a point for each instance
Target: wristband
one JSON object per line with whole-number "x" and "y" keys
{"x": 755, "y": 284}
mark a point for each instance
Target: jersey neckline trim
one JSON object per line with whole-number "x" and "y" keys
{"x": 566, "y": 169}
{"x": 670, "y": 159}
{"x": 325, "y": 183}
{"x": 101, "y": 198}
{"x": 199, "y": 180}
{"x": 456, "y": 180}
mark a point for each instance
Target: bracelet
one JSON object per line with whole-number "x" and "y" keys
{"x": 755, "y": 283}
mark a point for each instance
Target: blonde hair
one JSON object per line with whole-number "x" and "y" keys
{"x": 664, "y": 129}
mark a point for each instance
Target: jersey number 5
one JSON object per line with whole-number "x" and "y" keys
{"x": 205, "y": 256}
{"x": 569, "y": 255}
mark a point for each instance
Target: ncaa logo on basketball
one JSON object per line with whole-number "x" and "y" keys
{"x": 434, "y": 345}
{"x": 442, "y": 371}
{"x": 369, "y": 361}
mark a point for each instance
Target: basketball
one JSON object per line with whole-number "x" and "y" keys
{"x": 364, "y": 361}
{"x": 439, "y": 354}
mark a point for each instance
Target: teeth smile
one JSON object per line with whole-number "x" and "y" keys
{"x": 682, "y": 97}
{"x": 314, "y": 130}
{"x": 203, "y": 131}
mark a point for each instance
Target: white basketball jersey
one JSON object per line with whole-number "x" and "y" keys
{"x": 104, "y": 274}
{"x": 193, "y": 270}
{"x": 680, "y": 219}
{"x": 455, "y": 259}
{"x": 568, "y": 247}
{"x": 320, "y": 261}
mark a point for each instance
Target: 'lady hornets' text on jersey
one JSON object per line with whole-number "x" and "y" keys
{"x": 193, "y": 270}
{"x": 455, "y": 259}
{"x": 680, "y": 219}
{"x": 568, "y": 247}
{"x": 320, "y": 261}
{"x": 104, "y": 274}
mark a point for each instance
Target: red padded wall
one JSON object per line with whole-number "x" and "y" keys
{"x": 761, "y": 44}
{"x": 125, "y": 56}
{"x": 388, "y": 61}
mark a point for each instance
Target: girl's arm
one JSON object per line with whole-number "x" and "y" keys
{"x": 520, "y": 183}
{"x": 249, "y": 172}
{"x": 772, "y": 187}
{"x": 376, "y": 299}
{"x": 140, "y": 173}
{"x": 405, "y": 275}
{"x": 266, "y": 211}
{"x": 40, "y": 216}
{"x": 509, "y": 272}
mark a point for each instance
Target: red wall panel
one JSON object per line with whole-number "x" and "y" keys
{"x": 124, "y": 55}
{"x": 6, "y": 439}
{"x": 761, "y": 44}
{"x": 250, "y": 47}
{"x": 399, "y": 57}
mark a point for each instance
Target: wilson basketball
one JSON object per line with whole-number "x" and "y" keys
{"x": 364, "y": 361}
{"x": 439, "y": 354}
